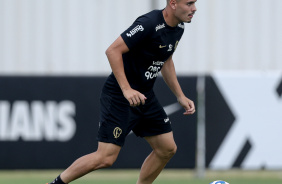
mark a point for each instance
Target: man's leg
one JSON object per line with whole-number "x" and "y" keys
{"x": 164, "y": 148}
{"x": 105, "y": 156}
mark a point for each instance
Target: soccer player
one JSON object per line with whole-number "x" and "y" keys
{"x": 128, "y": 102}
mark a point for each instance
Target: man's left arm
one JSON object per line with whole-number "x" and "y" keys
{"x": 169, "y": 76}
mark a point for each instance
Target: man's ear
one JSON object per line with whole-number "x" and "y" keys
{"x": 172, "y": 4}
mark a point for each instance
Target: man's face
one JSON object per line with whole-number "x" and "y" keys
{"x": 185, "y": 10}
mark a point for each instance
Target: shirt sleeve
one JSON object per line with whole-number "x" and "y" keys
{"x": 137, "y": 32}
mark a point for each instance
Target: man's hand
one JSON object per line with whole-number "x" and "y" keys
{"x": 187, "y": 104}
{"x": 135, "y": 98}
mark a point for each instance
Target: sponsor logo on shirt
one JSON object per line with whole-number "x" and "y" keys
{"x": 181, "y": 26}
{"x": 160, "y": 26}
{"x": 166, "y": 120}
{"x": 158, "y": 63}
{"x": 135, "y": 30}
{"x": 154, "y": 69}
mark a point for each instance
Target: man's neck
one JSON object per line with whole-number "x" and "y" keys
{"x": 169, "y": 18}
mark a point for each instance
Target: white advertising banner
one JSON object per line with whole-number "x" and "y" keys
{"x": 255, "y": 101}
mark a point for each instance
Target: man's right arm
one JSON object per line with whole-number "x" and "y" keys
{"x": 114, "y": 54}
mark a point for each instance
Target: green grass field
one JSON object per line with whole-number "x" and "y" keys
{"x": 112, "y": 176}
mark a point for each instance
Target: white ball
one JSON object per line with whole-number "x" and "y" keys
{"x": 219, "y": 182}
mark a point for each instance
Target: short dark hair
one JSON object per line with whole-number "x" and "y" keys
{"x": 169, "y": 0}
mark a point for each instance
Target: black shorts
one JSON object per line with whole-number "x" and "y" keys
{"x": 118, "y": 118}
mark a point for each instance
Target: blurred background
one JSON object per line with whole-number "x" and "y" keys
{"x": 69, "y": 37}
{"x": 53, "y": 66}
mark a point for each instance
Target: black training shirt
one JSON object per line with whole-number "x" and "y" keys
{"x": 151, "y": 42}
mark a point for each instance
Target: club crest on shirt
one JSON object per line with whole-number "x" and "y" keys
{"x": 170, "y": 47}
{"x": 176, "y": 44}
{"x": 135, "y": 30}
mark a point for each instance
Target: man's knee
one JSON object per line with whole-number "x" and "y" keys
{"x": 102, "y": 161}
{"x": 106, "y": 154}
{"x": 166, "y": 153}
{"x": 107, "y": 162}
